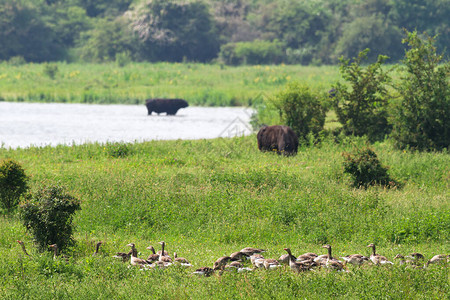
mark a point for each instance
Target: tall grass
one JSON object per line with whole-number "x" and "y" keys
{"x": 199, "y": 84}
{"x": 209, "y": 198}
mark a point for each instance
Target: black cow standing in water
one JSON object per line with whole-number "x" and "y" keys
{"x": 279, "y": 138}
{"x": 169, "y": 106}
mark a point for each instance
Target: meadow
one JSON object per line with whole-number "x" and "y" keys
{"x": 209, "y": 198}
{"x": 199, "y": 84}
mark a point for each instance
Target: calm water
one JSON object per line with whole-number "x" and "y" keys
{"x": 38, "y": 124}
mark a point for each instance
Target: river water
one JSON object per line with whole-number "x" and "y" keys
{"x": 41, "y": 124}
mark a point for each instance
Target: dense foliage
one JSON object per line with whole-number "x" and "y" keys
{"x": 48, "y": 214}
{"x": 301, "y": 109}
{"x": 298, "y": 32}
{"x": 421, "y": 118}
{"x": 362, "y": 108}
{"x": 13, "y": 183}
{"x": 366, "y": 169}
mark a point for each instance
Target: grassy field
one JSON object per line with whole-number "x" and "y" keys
{"x": 209, "y": 198}
{"x": 199, "y": 84}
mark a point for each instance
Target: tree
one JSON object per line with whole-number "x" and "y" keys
{"x": 48, "y": 215}
{"x": 24, "y": 32}
{"x": 107, "y": 39}
{"x": 421, "y": 119}
{"x": 175, "y": 30}
{"x": 13, "y": 183}
{"x": 362, "y": 110}
{"x": 300, "y": 109}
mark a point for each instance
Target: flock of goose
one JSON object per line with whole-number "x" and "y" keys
{"x": 249, "y": 259}
{"x": 237, "y": 261}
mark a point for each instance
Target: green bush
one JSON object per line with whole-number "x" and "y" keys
{"x": 252, "y": 53}
{"x": 362, "y": 110}
{"x": 13, "y": 183}
{"x": 48, "y": 214}
{"x": 123, "y": 58}
{"x": 300, "y": 109}
{"x": 421, "y": 119}
{"x": 366, "y": 169}
{"x": 117, "y": 150}
{"x": 50, "y": 70}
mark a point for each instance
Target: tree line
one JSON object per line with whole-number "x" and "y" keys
{"x": 230, "y": 31}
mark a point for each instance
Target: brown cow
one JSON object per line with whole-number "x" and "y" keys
{"x": 279, "y": 138}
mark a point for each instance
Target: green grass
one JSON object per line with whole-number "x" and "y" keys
{"x": 199, "y": 84}
{"x": 209, "y": 198}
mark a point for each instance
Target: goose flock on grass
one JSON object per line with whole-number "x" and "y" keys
{"x": 249, "y": 259}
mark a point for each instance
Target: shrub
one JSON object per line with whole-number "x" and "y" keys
{"x": 13, "y": 183}
{"x": 117, "y": 150}
{"x": 48, "y": 214}
{"x": 123, "y": 58}
{"x": 17, "y": 61}
{"x": 301, "y": 109}
{"x": 421, "y": 120}
{"x": 366, "y": 169}
{"x": 363, "y": 109}
{"x": 50, "y": 70}
{"x": 253, "y": 53}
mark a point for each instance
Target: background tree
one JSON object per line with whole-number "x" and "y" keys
{"x": 301, "y": 109}
{"x": 108, "y": 38}
{"x": 175, "y": 30}
{"x": 24, "y": 32}
{"x": 362, "y": 110}
{"x": 421, "y": 119}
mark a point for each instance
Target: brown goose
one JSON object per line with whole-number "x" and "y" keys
{"x": 404, "y": 261}
{"x": 123, "y": 256}
{"x": 220, "y": 263}
{"x": 181, "y": 260}
{"x": 294, "y": 265}
{"x": 136, "y": 261}
{"x": 238, "y": 256}
{"x": 331, "y": 262}
{"x": 355, "y": 259}
{"x": 97, "y": 247}
{"x": 378, "y": 259}
{"x": 249, "y": 251}
{"x": 237, "y": 267}
{"x": 257, "y": 260}
{"x": 284, "y": 259}
{"x": 322, "y": 259}
{"x": 23, "y": 247}
{"x": 206, "y": 271}
{"x": 271, "y": 263}
{"x": 162, "y": 251}
{"x": 438, "y": 259}
{"x": 152, "y": 257}
{"x": 163, "y": 257}
{"x": 307, "y": 256}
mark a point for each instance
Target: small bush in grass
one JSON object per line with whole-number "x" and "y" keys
{"x": 366, "y": 169}
{"x": 48, "y": 214}
{"x": 117, "y": 150}
{"x": 13, "y": 183}
{"x": 50, "y": 70}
